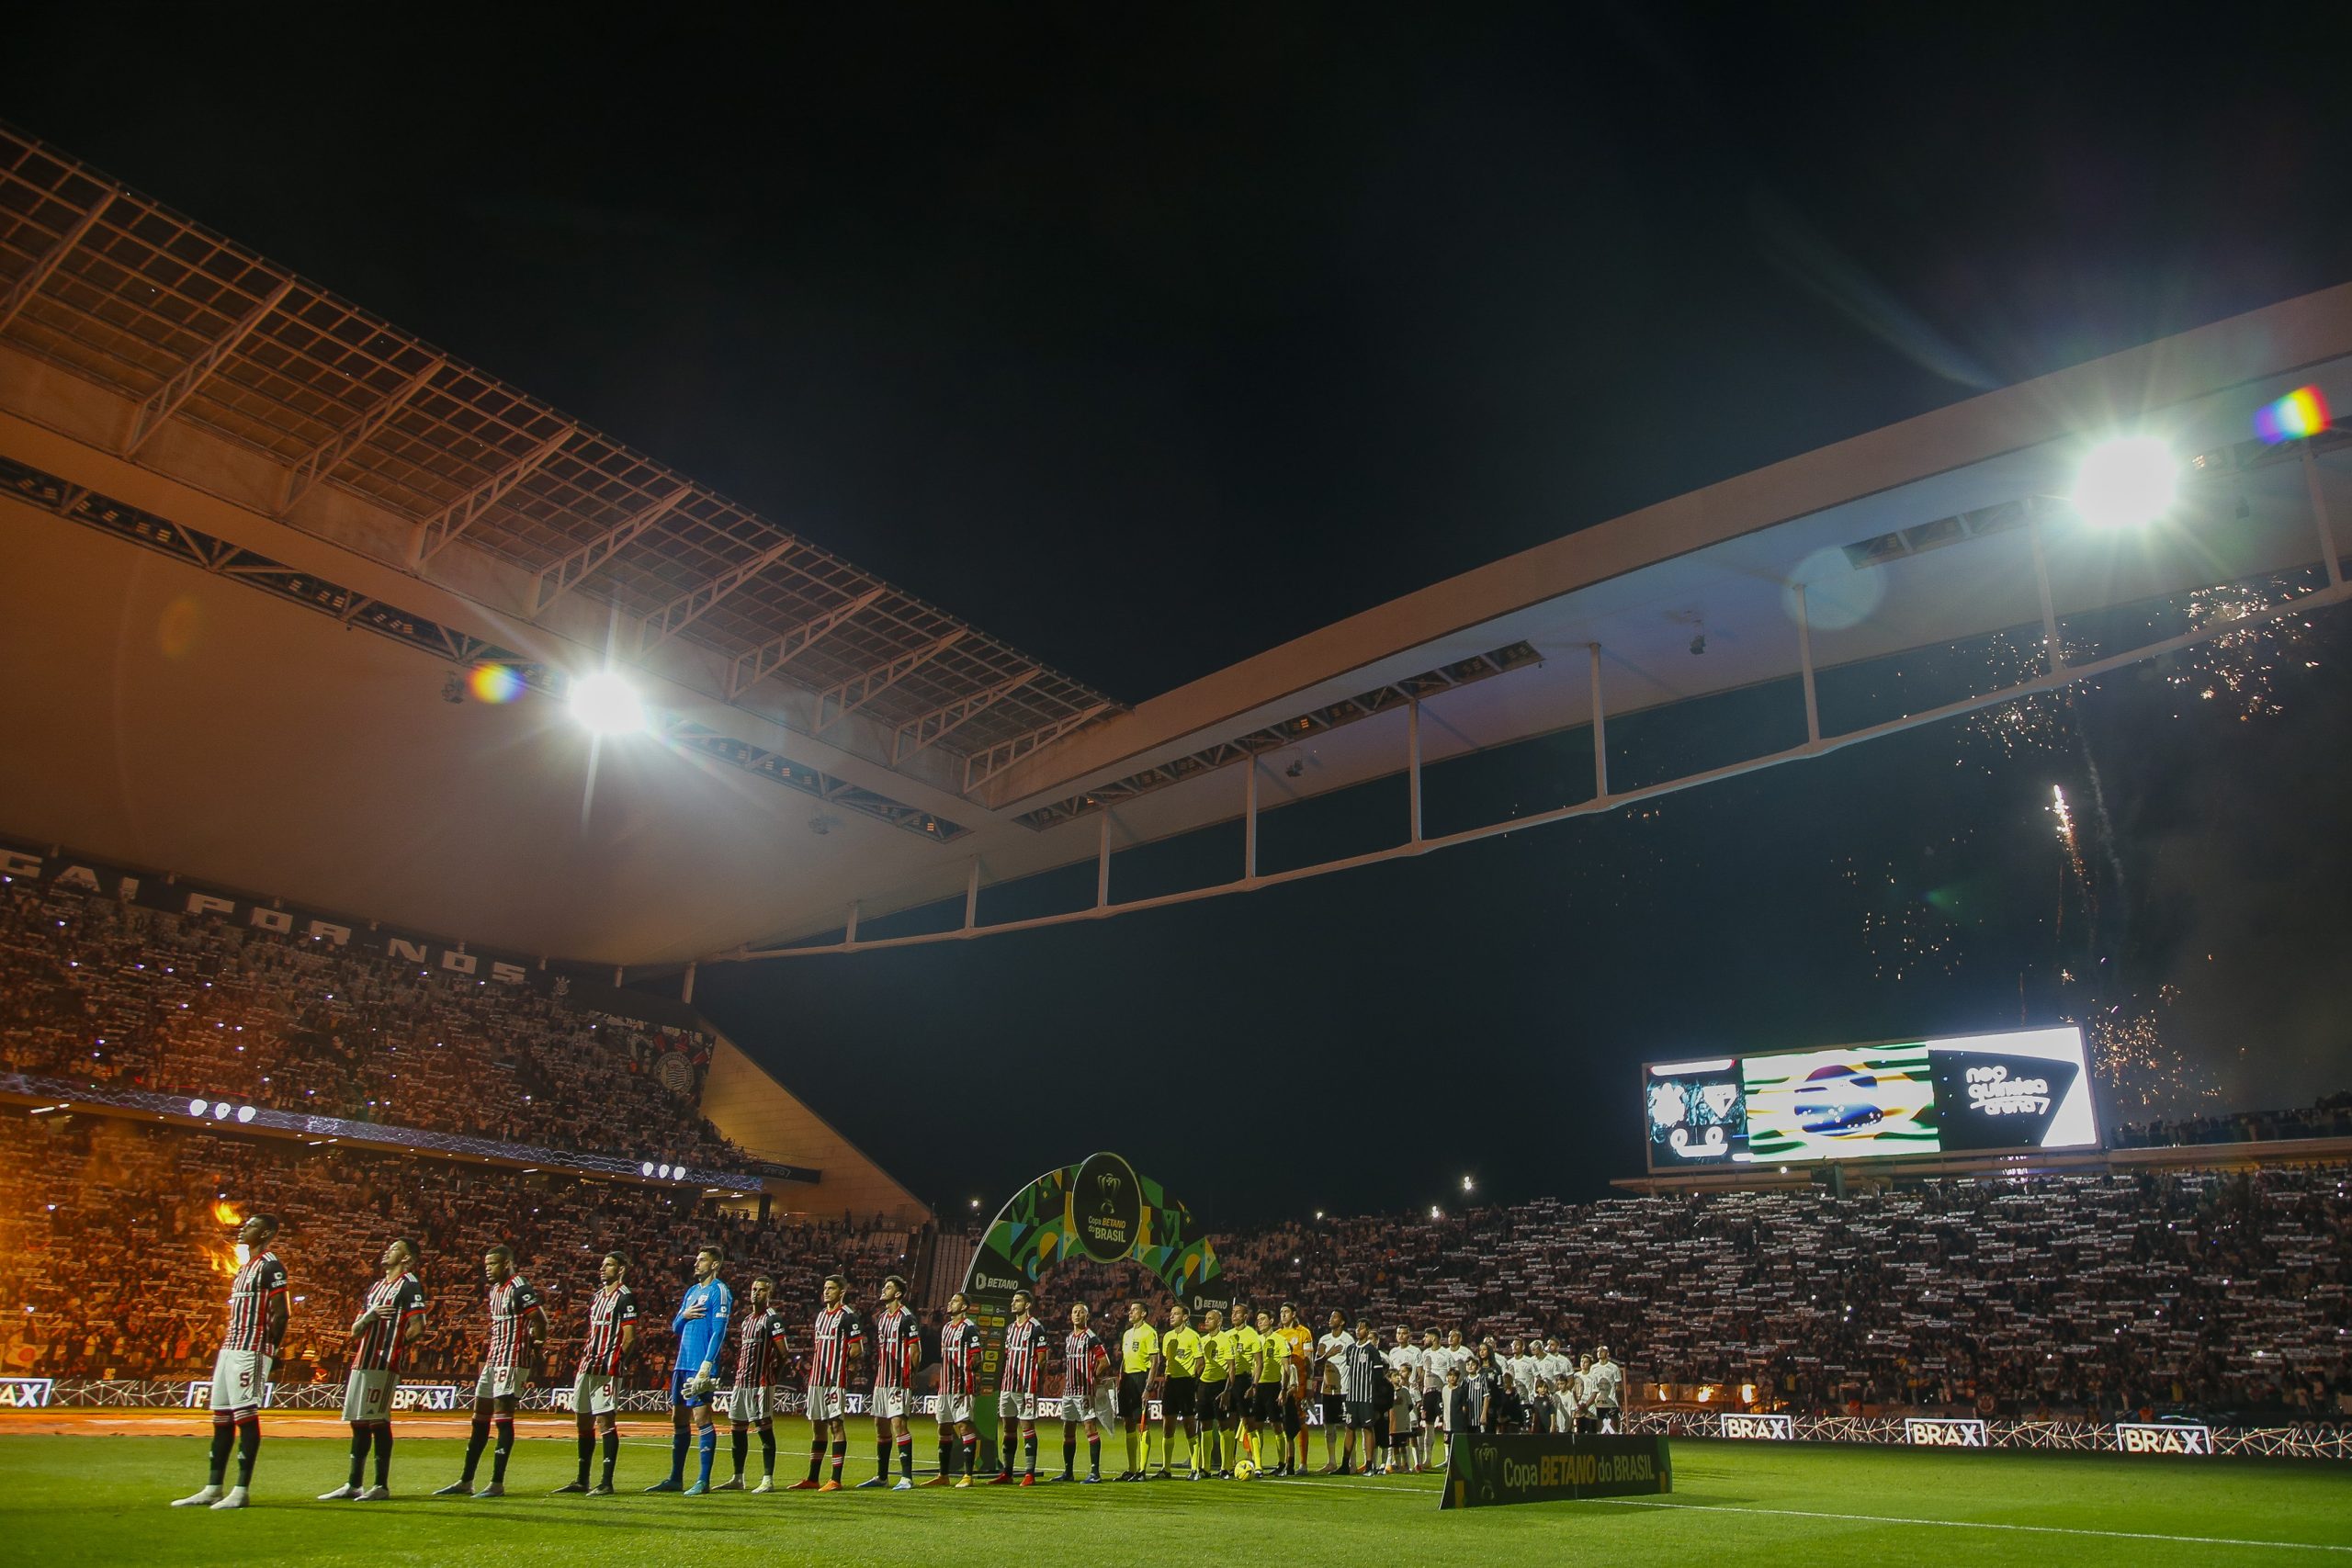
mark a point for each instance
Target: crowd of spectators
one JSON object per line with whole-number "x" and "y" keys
{"x": 2328, "y": 1118}
{"x": 116, "y": 993}
{"x": 2077, "y": 1295}
{"x": 116, "y": 1248}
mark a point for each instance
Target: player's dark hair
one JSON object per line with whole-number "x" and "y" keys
{"x": 617, "y": 1256}
{"x": 841, "y": 1280}
{"x": 416, "y": 1258}
{"x": 268, "y": 1223}
{"x": 958, "y": 1296}
{"x": 713, "y": 1249}
{"x": 499, "y": 1249}
{"x": 1025, "y": 1296}
{"x": 768, "y": 1279}
{"x": 897, "y": 1280}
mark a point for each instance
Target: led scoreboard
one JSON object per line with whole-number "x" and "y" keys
{"x": 1970, "y": 1094}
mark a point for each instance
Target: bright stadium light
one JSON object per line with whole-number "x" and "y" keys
{"x": 606, "y": 703}
{"x": 244, "y": 1113}
{"x": 646, "y": 1167}
{"x": 221, "y": 1109}
{"x": 2126, "y": 482}
{"x": 196, "y": 1108}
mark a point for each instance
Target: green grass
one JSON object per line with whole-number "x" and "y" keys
{"x": 100, "y": 1499}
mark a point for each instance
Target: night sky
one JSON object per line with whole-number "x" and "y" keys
{"x": 1148, "y": 345}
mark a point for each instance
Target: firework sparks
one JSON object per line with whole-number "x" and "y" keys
{"x": 2058, "y": 808}
{"x": 2239, "y": 668}
{"x": 2144, "y": 1073}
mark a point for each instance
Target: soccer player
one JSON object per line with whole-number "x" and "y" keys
{"x": 1178, "y": 1366}
{"x": 1138, "y": 1354}
{"x": 1607, "y": 1388}
{"x": 595, "y": 1393}
{"x": 835, "y": 1340}
{"x": 1300, "y": 1341}
{"x": 1435, "y": 1360}
{"x": 1083, "y": 1363}
{"x": 763, "y": 1351}
{"x": 1016, "y": 1393}
{"x": 241, "y": 1372}
{"x": 1588, "y": 1419}
{"x": 960, "y": 1345}
{"x": 1364, "y": 1378}
{"x": 1405, "y": 1357}
{"x": 516, "y": 1321}
{"x": 387, "y": 1326}
{"x": 1242, "y": 1389}
{"x": 1268, "y": 1382}
{"x": 1330, "y": 1350}
{"x": 1552, "y": 1365}
{"x": 897, "y": 1333}
{"x": 1209, "y": 1400}
{"x": 700, "y": 1323}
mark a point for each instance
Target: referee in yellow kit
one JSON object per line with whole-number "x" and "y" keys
{"x": 1180, "y": 1373}
{"x": 1138, "y": 1347}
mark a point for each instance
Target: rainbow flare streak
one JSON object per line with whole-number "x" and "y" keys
{"x": 494, "y": 683}
{"x": 2300, "y": 412}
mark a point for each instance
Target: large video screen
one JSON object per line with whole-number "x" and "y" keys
{"x": 2027, "y": 1089}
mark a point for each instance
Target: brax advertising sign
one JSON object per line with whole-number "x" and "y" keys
{"x": 1774, "y": 1428}
{"x": 1944, "y": 1432}
{"x": 1485, "y": 1470}
{"x": 2162, "y": 1437}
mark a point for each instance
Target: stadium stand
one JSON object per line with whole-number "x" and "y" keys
{"x": 117, "y": 994}
{"x": 2330, "y": 1118}
{"x": 114, "y": 1259}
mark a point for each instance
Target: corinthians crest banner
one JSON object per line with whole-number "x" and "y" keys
{"x": 1099, "y": 1210}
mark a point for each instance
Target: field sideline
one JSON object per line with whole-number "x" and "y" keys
{"x": 100, "y": 1499}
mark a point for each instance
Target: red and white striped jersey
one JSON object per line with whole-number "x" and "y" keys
{"x": 829, "y": 1338}
{"x": 511, "y": 1300}
{"x": 898, "y": 1347}
{"x": 613, "y": 1308}
{"x": 260, "y": 1281}
{"x": 762, "y": 1348}
{"x": 1082, "y": 1359}
{"x": 960, "y": 1344}
{"x": 397, "y": 1303}
{"x": 1024, "y": 1355}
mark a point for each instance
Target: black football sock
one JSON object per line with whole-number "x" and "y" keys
{"x": 839, "y": 1454}
{"x": 612, "y": 1452}
{"x": 587, "y": 1455}
{"x": 1029, "y": 1450}
{"x": 1070, "y": 1453}
{"x": 972, "y": 1455}
{"x": 1093, "y": 1455}
{"x": 248, "y": 1445}
{"x": 739, "y": 1448}
{"x": 384, "y": 1454}
{"x": 1005, "y": 1450}
{"x": 882, "y": 1459}
{"x": 476, "y": 1441}
{"x": 504, "y": 1451}
{"x": 767, "y": 1451}
{"x": 907, "y": 1455}
{"x": 362, "y": 1434}
{"x": 816, "y": 1456}
{"x": 943, "y": 1470}
{"x": 224, "y": 1438}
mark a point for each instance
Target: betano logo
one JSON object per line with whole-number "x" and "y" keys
{"x": 1938, "y": 1432}
{"x": 2137, "y": 1438}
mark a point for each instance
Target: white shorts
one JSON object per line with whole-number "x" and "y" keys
{"x": 238, "y": 1381}
{"x": 748, "y": 1403}
{"x": 1015, "y": 1406}
{"x": 1100, "y": 1406}
{"x": 955, "y": 1409}
{"x": 594, "y": 1394}
{"x": 367, "y": 1396}
{"x": 890, "y": 1404}
{"x": 499, "y": 1383}
{"x": 825, "y": 1404}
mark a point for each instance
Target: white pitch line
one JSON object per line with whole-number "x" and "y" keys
{"x": 1975, "y": 1525}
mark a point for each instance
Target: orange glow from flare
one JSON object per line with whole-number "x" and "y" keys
{"x": 223, "y": 1261}
{"x": 226, "y": 1213}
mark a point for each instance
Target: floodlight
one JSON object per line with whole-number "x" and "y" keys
{"x": 2126, "y": 482}
{"x": 196, "y": 1108}
{"x": 244, "y": 1113}
{"x": 607, "y": 703}
{"x": 646, "y": 1167}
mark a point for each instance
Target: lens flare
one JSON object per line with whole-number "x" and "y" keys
{"x": 494, "y": 683}
{"x": 2300, "y": 412}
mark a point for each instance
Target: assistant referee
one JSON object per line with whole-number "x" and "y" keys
{"x": 1137, "y": 1348}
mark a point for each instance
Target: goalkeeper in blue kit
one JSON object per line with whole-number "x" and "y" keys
{"x": 701, "y": 1325}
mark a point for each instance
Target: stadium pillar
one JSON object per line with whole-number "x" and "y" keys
{"x": 686, "y": 991}
{"x": 2056, "y": 661}
{"x": 972, "y": 895}
{"x": 850, "y": 935}
{"x": 1103, "y": 863}
{"x": 1249, "y": 820}
{"x": 1804, "y": 663}
{"x": 1600, "y": 730}
{"x": 2319, "y": 518}
{"x": 1413, "y": 762}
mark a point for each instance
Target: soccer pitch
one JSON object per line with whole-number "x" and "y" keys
{"x": 101, "y": 1499}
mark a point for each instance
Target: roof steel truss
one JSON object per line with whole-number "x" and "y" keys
{"x": 928, "y": 729}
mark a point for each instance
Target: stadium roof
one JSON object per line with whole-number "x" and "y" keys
{"x": 215, "y": 473}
